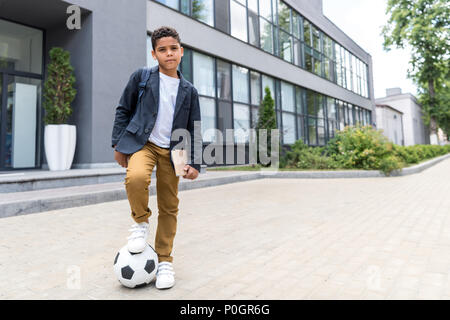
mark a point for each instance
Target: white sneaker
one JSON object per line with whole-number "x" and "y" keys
{"x": 165, "y": 276}
{"x": 138, "y": 239}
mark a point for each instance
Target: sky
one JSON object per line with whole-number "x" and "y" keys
{"x": 362, "y": 20}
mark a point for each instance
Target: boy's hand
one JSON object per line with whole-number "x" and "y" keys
{"x": 121, "y": 158}
{"x": 191, "y": 173}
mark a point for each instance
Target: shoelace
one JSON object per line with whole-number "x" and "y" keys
{"x": 138, "y": 231}
{"x": 165, "y": 268}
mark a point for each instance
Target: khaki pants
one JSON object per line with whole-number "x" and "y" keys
{"x": 137, "y": 181}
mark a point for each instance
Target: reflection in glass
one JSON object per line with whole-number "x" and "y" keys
{"x": 20, "y": 47}
{"x": 203, "y": 10}
{"x": 284, "y": 16}
{"x": 208, "y": 115}
{"x": 266, "y": 33}
{"x": 253, "y": 28}
{"x": 285, "y": 46}
{"x": 240, "y": 84}
{"x": 299, "y": 92}
{"x": 255, "y": 83}
{"x": 23, "y": 103}
{"x": 268, "y": 82}
{"x": 265, "y": 9}
{"x": 204, "y": 74}
{"x": 241, "y": 114}
{"x": 287, "y": 97}
{"x": 223, "y": 80}
{"x": 288, "y": 128}
{"x": 312, "y": 131}
{"x": 170, "y": 3}
{"x": 238, "y": 21}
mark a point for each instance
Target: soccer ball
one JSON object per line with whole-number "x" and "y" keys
{"x": 136, "y": 269}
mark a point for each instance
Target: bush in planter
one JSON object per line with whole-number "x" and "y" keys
{"x": 363, "y": 147}
{"x": 58, "y": 88}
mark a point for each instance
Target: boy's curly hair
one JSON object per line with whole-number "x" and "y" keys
{"x": 162, "y": 32}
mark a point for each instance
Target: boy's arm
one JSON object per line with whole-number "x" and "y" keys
{"x": 196, "y": 135}
{"x": 125, "y": 108}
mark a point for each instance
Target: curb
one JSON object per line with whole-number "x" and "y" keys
{"x": 79, "y": 196}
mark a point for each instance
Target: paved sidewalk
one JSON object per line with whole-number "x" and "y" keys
{"x": 366, "y": 238}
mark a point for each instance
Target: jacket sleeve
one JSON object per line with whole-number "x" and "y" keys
{"x": 195, "y": 131}
{"x": 124, "y": 110}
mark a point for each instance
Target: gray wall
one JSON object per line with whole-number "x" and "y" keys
{"x": 110, "y": 45}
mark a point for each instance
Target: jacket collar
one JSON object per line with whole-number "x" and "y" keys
{"x": 182, "y": 89}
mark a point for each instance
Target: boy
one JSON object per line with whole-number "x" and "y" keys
{"x": 142, "y": 138}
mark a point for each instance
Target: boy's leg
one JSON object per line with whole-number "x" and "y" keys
{"x": 137, "y": 180}
{"x": 167, "y": 196}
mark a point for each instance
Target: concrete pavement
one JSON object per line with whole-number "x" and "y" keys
{"x": 365, "y": 238}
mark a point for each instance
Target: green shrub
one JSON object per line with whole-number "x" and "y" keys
{"x": 363, "y": 147}
{"x": 303, "y": 157}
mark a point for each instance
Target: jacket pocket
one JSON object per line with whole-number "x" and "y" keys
{"x": 132, "y": 127}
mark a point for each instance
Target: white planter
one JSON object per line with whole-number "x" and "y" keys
{"x": 59, "y": 144}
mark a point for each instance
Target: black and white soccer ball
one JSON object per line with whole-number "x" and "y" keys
{"x": 136, "y": 269}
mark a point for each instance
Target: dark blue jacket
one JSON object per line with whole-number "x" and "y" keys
{"x": 133, "y": 124}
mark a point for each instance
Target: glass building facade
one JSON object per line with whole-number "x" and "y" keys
{"x": 278, "y": 29}
{"x": 230, "y": 96}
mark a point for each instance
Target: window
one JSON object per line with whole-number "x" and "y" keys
{"x": 316, "y": 38}
{"x": 285, "y": 46}
{"x": 240, "y": 84}
{"x": 170, "y": 3}
{"x": 20, "y": 47}
{"x": 208, "y": 115}
{"x": 268, "y": 82}
{"x": 295, "y": 24}
{"x": 284, "y": 16}
{"x": 253, "y": 28}
{"x": 224, "y": 119}
{"x": 266, "y": 34}
{"x": 265, "y": 9}
{"x": 241, "y": 122}
{"x": 301, "y": 128}
{"x": 204, "y": 74}
{"x": 287, "y": 97}
{"x": 223, "y": 80}
{"x": 238, "y": 20}
{"x": 307, "y": 32}
{"x": 255, "y": 83}
{"x": 186, "y": 66}
{"x": 288, "y": 128}
{"x": 319, "y": 104}
{"x": 202, "y": 10}
{"x": 312, "y": 131}
{"x": 331, "y": 108}
{"x": 310, "y": 103}
{"x": 321, "y": 131}
{"x": 299, "y": 92}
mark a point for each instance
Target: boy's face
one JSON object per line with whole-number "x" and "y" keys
{"x": 168, "y": 52}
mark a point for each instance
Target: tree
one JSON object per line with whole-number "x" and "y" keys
{"x": 58, "y": 88}
{"x": 424, "y": 25}
{"x": 267, "y": 121}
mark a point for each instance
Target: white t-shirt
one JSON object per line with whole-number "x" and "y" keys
{"x": 168, "y": 89}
